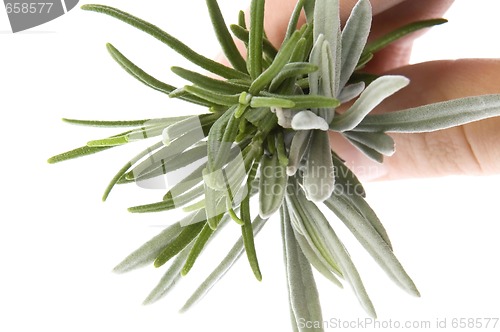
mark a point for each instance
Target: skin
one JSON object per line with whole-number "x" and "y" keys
{"x": 471, "y": 149}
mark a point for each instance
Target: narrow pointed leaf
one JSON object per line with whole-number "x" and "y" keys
{"x": 107, "y": 124}
{"x": 319, "y": 175}
{"x": 291, "y": 70}
{"x": 147, "y": 253}
{"x": 255, "y": 42}
{"x": 272, "y": 185}
{"x": 225, "y": 39}
{"x": 298, "y": 147}
{"x": 382, "y": 42}
{"x": 127, "y": 166}
{"x": 76, "y": 153}
{"x": 354, "y": 37}
{"x": 147, "y": 79}
{"x": 243, "y": 35}
{"x": 277, "y": 65}
{"x": 303, "y": 294}
{"x": 380, "y": 142}
{"x": 435, "y": 116}
{"x": 168, "y": 40}
{"x": 367, "y": 151}
{"x": 209, "y": 83}
{"x": 171, "y": 277}
{"x": 316, "y": 222}
{"x": 345, "y": 179}
{"x": 187, "y": 234}
{"x": 228, "y": 261}
{"x": 371, "y": 241}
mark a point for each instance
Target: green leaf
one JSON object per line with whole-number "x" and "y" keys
{"x": 231, "y": 258}
{"x": 225, "y": 39}
{"x": 435, "y": 116}
{"x": 291, "y": 70}
{"x": 371, "y": 240}
{"x": 198, "y": 246}
{"x": 391, "y": 37}
{"x": 303, "y": 294}
{"x": 354, "y": 37}
{"x": 188, "y": 234}
{"x": 243, "y": 35}
{"x": 255, "y": 42}
{"x": 168, "y": 40}
{"x": 110, "y": 141}
{"x": 127, "y": 166}
{"x": 247, "y": 228}
{"x": 76, "y": 153}
{"x": 380, "y": 142}
{"x": 147, "y": 79}
{"x": 169, "y": 203}
{"x": 277, "y": 65}
{"x": 211, "y": 96}
{"x": 373, "y": 95}
{"x": 107, "y": 124}
{"x": 260, "y": 102}
{"x": 272, "y": 185}
{"x": 294, "y": 19}
{"x": 305, "y": 101}
{"x": 209, "y": 83}
{"x": 147, "y": 253}
{"x": 319, "y": 174}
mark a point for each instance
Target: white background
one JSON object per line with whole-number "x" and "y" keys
{"x": 58, "y": 242}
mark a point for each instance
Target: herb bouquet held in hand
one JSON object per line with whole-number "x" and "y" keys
{"x": 265, "y": 134}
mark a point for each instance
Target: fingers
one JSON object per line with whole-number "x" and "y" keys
{"x": 469, "y": 149}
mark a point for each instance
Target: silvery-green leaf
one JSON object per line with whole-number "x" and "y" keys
{"x": 367, "y": 151}
{"x": 303, "y": 294}
{"x": 368, "y": 236}
{"x": 435, "y": 116}
{"x": 380, "y": 142}
{"x": 345, "y": 179}
{"x": 319, "y": 174}
{"x": 327, "y": 22}
{"x": 170, "y": 278}
{"x": 354, "y": 37}
{"x": 317, "y": 226}
{"x": 316, "y": 259}
{"x": 307, "y": 120}
{"x": 351, "y": 91}
{"x": 298, "y": 147}
{"x": 315, "y": 59}
{"x": 373, "y": 95}
{"x": 272, "y": 185}
{"x": 367, "y": 212}
{"x": 147, "y": 253}
{"x": 315, "y": 239}
{"x": 233, "y": 255}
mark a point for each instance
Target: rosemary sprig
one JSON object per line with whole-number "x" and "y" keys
{"x": 265, "y": 133}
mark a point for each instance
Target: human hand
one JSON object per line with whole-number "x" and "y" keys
{"x": 470, "y": 149}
